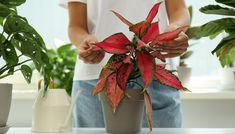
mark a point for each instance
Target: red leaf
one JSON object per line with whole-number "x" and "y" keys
{"x": 168, "y": 36}
{"x": 153, "y": 12}
{"x": 102, "y": 80}
{"x": 140, "y": 44}
{"x": 123, "y": 19}
{"x": 151, "y": 34}
{"x": 149, "y": 112}
{"x": 158, "y": 55}
{"x": 123, "y": 74}
{"x": 128, "y": 58}
{"x": 113, "y": 91}
{"x": 140, "y": 28}
{"x": 146, "y": 65}
{"x": 167, "y": 78}
{"x": 115, "y": 44}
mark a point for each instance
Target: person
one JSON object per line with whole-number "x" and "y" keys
{"x": 91, "y": 21}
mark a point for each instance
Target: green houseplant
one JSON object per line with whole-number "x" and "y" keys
{"x": 63, "y": 62}
{"x": 20, "y": 44}
{"x": 130, "y": 61}
{"x": 225, "y": 50}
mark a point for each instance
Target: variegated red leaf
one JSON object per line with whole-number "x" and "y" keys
{"x": 113, "y": 91}
{"x": 153, "y": 12}
{"x": 128, "y": 23}
{"x": 105, "y": 72}
{"x": 128, "y": 58}
{"x": 149, "y": 112}
{"x": 146, "y": 65}
{"x": 123, "y": 74}
{"x": 140, "y": 44}
{"x": 167, "y": 78}
{"x": 140, "y": 28}
{"x": 115, "y": 44}
{"x": 168, "y": 36}
{"x": 158, "y": 55}
{"x": 152, "y": 33}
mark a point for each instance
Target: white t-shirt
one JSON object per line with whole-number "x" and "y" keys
{"x": 103, "y": 23}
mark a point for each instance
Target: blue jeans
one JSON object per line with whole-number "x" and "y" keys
{"x": 166, "y": 105}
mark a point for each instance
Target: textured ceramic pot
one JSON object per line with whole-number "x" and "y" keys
{"x": 129, "y": 115}
{"x": 5, "y": 102}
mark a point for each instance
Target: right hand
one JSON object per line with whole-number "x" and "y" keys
{"x": 86, "y": 52}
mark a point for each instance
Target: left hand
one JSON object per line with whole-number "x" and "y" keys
{"x": 175, "y": 47}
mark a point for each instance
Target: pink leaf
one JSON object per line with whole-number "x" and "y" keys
{"x": 151, "y": 34}
{"x": 123, "y": 74}
{"x": 140, "y": 28}
{"x": 140, "y": 44}
{"x": 167, "y": 78}
{"x": 149, "y": 112}
{"x": 153, "y": 12}
{"x": 102, "y": 81}
{"x": 123, "y": 19}
{"x": 146, "y": 65}
{"x": 115, "y": 44}
{"x": 113, "y": 91}
{"x": 168, "y": 36}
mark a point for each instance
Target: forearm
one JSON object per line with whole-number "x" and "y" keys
{"x": 77, "y": 34}
{"x": 178, "y": 13}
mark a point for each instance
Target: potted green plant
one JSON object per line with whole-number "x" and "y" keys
{"x": 225, "y": 50}
{"x": 132, "y": 60}
{"x": 20, "y": 44}
{"x": 62, "y": 60}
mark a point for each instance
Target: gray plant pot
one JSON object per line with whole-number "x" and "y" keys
{"x": 5, "y": 102}
{"x": 129, "y": 115}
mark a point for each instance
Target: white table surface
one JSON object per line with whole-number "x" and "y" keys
{"x": 144, "y": 131}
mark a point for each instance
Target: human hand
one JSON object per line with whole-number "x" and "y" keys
{"x": 86, "y": 52}
{"x": 175, "y": 47}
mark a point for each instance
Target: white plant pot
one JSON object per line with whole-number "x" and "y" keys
{"x": 50, "y": 112}
{"x": 5, "y": 103}
{"x": 184, "y": 74}
{"x": 227, "y": 78}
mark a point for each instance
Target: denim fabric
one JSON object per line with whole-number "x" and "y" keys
{"x": 166, "y": 105}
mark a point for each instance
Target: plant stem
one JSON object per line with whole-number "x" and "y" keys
{"x": 4, "y": 70}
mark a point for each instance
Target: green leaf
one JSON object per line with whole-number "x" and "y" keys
{"x": 186, "y": 55}
{"x": 192, "y": 32}
{"x": 216, "y": 26}
{"x": 9, "y": 54}
{"x": 230, "y": 3}
{"x": 218, "y": 10}
{"x": 227, "y": 55}
{"x": 27, "y": 72}
{"x": 12, "y": 3}
{"x": 4, "y": 10}
{"x": 225, "y": 41}
{"x": 190, "y": 9}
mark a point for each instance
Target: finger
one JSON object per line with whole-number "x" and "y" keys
{"x": 181, "y": 46}
{"x": 91, "y": 57}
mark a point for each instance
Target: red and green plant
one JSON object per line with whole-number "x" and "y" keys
{"x": 136, "y": 58}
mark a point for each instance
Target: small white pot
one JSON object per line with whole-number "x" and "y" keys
{"x": 184, "y": 74}
{"x": 50, "y": 112}
{"x": 227, "y": 77}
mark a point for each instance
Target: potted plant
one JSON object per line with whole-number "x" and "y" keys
{"x": 19, "y": 44}
{"x": 131, "y": 60}
{"x": 62, "y": 60}
{"x": 225, "y": 50}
